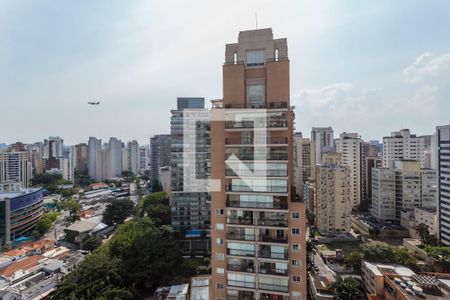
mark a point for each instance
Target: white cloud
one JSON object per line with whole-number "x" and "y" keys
{"x": 426, "y": 66}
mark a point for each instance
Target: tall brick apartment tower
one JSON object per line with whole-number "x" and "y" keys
{"x": 258, "y": 234}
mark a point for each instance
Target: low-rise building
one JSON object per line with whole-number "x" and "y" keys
{"x": 395, "y": 282}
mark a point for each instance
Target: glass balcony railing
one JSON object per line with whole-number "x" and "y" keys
{"x": 269, "y": 140}
{"x": 273, "y": 255}
{"x": 272, "y": 270}
{"x": 273, "y": 287}
{"x": 272, "y": 221}
{"x": 251, "y": 157}
{"x": 246, "y": 188}
{"x": 240, "y": 220}
{"x": 241, "y": 268}
{"x": 240, "y": 236}
{"x": 273, "y": 239}
{"x": 239, "y": 252}
{"x": 244, "y": 284}
{"x": 247, "y": 204}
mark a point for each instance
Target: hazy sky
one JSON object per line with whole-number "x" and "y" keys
{"x": 360, "y": 66}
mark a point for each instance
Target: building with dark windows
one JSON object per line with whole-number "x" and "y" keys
{"x": 19, "y": 213}
{"x": 159, "y": 154}
{"x": 443, "y": 159}
{"x": 190, "y": 209}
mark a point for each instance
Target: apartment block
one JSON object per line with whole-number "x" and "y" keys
{"x": 350, "y": 146}
{"x": 258, "y": 224}
{"x": 333, "y": 194}
{"x": 443, "y": 160}
{"x": 323, "y": 140}
{"x": 14, "y": 166}
{"x": 160, "y": 154}
{"x": 305, "y": 163}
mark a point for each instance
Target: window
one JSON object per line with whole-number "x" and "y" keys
{"x": 219, "y": 212}
{"x": 220, "y": 256}
{"x": 296, "y": 231}
{"x": 255, "y": 95}
{"x": 220, "y": 271}
{"x": 296, "y": 296}
{"x": 254, "y": 58}
{"x": 295, "y": 263}
{"x": 295, "y": 215}
{"x": 219, "y": 226}
{"x": 295, "y": 247}
{"x": 296, "y": 279}
{"x": 219, "y": 241}
{"x": 219, "y": 286}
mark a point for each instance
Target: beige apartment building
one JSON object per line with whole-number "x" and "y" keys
{"x": 258, "y": 233}
{"x": 305, "y": 163}
{"x": 333, "y": 194}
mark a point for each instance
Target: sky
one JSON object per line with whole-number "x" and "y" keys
{"x": 370, "y": 67}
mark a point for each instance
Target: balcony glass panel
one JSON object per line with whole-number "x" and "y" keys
{"x": 241, "y": 265}
{"x": 257, "y": 201}
{"x": 240, "y": 249}
{"x": 273, "y": 219}
{"x": 273, "y": 252}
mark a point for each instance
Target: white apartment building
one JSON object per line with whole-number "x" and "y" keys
{"x": 94, "y": 146}
{"x": 323, "y": 140}
{"x": 350, "y": 146}
{"x": 14, "y": 167}
{"x": 115, "y": 153}
{"x": 333, "y": 194}
{"x": 443, "y": 157}
{"x": 144, "y": 159}
{"x": 403, "y": 187}
{"x": 402, "y": 145}
{"x": 133, "y": 156}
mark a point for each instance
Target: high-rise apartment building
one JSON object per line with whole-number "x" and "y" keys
{"x": 334, "y": 198}
{"x": 81, "y": 157}
{"x": 14, "y": 167}
{"x": 403, "y": 145}
{"x": 369, "y": 164}
{"x": 144, "y": 159}
{"x": 443, "y": 161}
{"x": 350, "y": 146}
{"x": 159, "y": 154}
{"x": 94, "y": 146}
{"x": 190, "y": 209}
{"x": 305, "y": 163}
{"x": 53, "y": 147}
{"x": 115, "y": 160}
{"x": 403, "y": 187}
{"x": 323, "y": 140}
{"x": 257, "y": 222}
{"x": 133, "y": 157}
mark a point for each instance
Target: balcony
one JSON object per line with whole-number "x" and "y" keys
{"x": 239, "y": 252}
{"x": 270, "y": 269}
{"x": 269, "y": 141}
{"x": 273, "y": 239}
{"x": 241, "y": 268}
{"x": 264, "y": 205}
{"x": 240, "y": 236}
{"x": 251, "y": 156}
{"x": 273, "y": 287}
{"x": 243, "y": 284}
{"x": 246, "y": 188}
{"x": 265, "y": 251}
{"x": 240, "y": 220}
{"x": 275, "y": 222}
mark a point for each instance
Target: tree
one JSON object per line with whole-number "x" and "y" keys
{"x": 310, "y": 217}
{"x": 74, "y": 209}
{"x": 156, "y": 207}
{"x": 348, "y": 288}
{"x": 422, "y": 231}
{"x": 45, "y": 222}
{"x": 156, "y": 186}
{"x": 440, "y": 256}
{"x": 403, "y": 257}
{"x": 353, "y": 261}
{"x": 377, "y": 252}
{"x": 311, "y": 249}
{"x": 118, "y": 211}
{"x": 92, "y": 242}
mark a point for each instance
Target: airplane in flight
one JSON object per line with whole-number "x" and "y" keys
{"x": 94, "y": 103}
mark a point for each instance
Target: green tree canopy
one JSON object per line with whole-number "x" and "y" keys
{"x": 348, "y": 288}
{"x": 118, "y": 211}
{"x": 91, "y": 242}
{"x": 156, "y": 207}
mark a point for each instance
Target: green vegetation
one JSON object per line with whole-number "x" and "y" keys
{"x": 45, "y": 223}
{"x": 156, "y": 186}
{"x": 426, "y": 238}
{"x": 91, "y": 242}
{"x": 82, "y": 179}
{"x": 440, "y": 256}
{"x": 74, "y": 210}
{"x": 118, "y": 211}
{"x": 156, "y": 207}
{"x": 380, "y": 252}
{"x": 348, "y": 288}
{"x": 142, "y": 255}
{"x": 50, "y": 182}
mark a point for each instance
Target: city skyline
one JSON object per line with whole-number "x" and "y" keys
{"x": 387, "y": 75}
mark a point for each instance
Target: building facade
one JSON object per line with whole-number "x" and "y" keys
{"x": 323, "y": 140}
{"x": 190, "y": 209}
{"x": 94, "y": 147}
{"x": 160, "y": 154}
{"x": 81, "y": 157}
{"x": 402, "y": 145}
{"x": 144, "y": 159}
{"x": 350, "y": 146}
{"x": 115, "y": 154}
{"x": 334, "y": 199}
{"x": 443, "y": 159}
{"x": 14, "y": 166}
{"x": 258, "y": 224}
{"x": 305, "y": 163}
